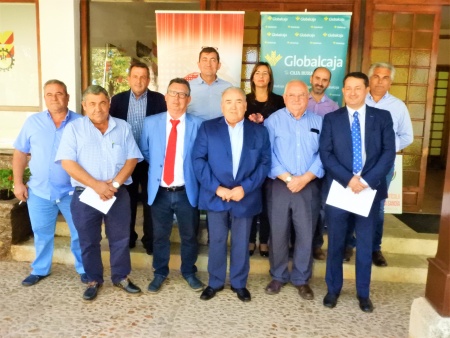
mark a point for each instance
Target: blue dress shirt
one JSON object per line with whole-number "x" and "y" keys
{"x": 403, "y": 130}
{"x": 101, "y": 155}
{"x": 295, "y": 143}
{"x": 206, "y": 99}
{"x": 40, "y": 137}
{"x": 136, "y": 114}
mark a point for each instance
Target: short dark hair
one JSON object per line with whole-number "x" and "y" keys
{"x": 139, "y": 64}
{"x": 257, "y": 65}
{"x": 95, "y": 90}
{"x": 58, "y": 82}
{"x": 358, "y": 75}
{"x": 180, "y": 81}
{"x": 208, "y": 50}
{"x": 329, "y": 72}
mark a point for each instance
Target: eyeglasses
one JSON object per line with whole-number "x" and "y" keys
{"x": 181, "y": 95}
{"x": 204, "y": 47}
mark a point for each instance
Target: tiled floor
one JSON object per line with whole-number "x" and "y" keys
{"x": 54, "y": 308}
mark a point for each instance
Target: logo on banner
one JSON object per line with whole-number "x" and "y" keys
{"x": 6, "y": 50}
{"x": 273, "y": 58}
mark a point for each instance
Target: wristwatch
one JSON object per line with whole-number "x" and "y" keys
{"x": 115, "y": 184}
{"x": 288, "y": 179}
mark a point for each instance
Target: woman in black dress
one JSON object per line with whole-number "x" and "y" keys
{"x": 261, "y": 102}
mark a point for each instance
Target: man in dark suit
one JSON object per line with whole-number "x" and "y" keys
{"x": 166, "y": 144}
{"x": 133, "y": 106}
{"x": 231, "y": 158}
{"x": 357, "y": 149}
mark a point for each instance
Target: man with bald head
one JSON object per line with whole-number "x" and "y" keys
{"x": 231, "y": 159}
{"x": 294, "y": 136}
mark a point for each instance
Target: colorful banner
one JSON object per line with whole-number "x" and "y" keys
{"x": 394, "y": 203}
{"x": 294, "y": 44}
{"x": 181, "y": 36}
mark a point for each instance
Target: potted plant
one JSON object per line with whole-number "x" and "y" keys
{"x": 7, "y": 182}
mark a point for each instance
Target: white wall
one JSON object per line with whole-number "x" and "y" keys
{"x": 59, "y": 22}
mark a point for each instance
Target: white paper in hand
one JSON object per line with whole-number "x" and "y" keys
{"x": 346, "y": 199}
{"x": 91, "y": 198}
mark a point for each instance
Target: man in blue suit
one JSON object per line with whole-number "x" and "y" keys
{"x": 357, "y": 149}
{"x": 133, "y": 106}
{"x": 166, "y": 144}
{"x": 231, "y": 158}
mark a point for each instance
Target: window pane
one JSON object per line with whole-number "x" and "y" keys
{"x": 411, "y": 162}
{"x": 379, "y": 55}
{"x": 401, "y": 75}
{"x": 420, "y": 58}
{"x": 382, "y": 20}
{"x": 402, "y": 39}
{"x": 440, "y": 101}
{"x": 252, "y": 18}
{"x": 417, "y": 93}
{"x": 423, "y": 40}
{"x": 438, "y": 118}
{"x": 251, "y": 36}
{"x": 441, "y": 92}
{"x": 410, "y": 178}
{"x": 414, "y": 148}
{"x": 442, "y": 75}
{"x": 250, "y": 54}
{"x": 400, "y": 57}
{"x": 246, "y": 71}
{"x": 381, "y": 38}
{"x": 398, "y": 91}
{"x": 418, "y": 128}
{"x": 419, "y": 76}
{"x": 416, "y": 110}
{"x": 403, "y": 21}
{"x": 425, "y": 21}
{"x": 436, "y": 134}
{"x": 442, "y": 84}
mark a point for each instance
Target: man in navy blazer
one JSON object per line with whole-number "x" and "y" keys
{"x": 133, "y": 106}
{"x": 231, "y": 158}
{"x": 176, "y": 191}
{"x": 336, "y": 152}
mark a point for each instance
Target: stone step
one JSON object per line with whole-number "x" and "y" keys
{"x": 397, "y": 239}
{"x": 404, "y": 268}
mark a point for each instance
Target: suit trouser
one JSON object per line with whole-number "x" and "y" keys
{"x": 338, "y": 221}
{"x": 140, "y": 179}
{"x": 302, "y": 208}
{"x": 88, "y": 222}
{"x": 263, "y": 217}
{"x": 165, "y": 205}
{"x": 219, "y": 225}
{"x": 43, "y": 215}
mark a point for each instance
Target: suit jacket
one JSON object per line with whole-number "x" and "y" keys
{"x": 156, "y": 103}
{"x": 336, "y": 150}
{"x": 153, "y": 147}
{"x": 213, "y": 166}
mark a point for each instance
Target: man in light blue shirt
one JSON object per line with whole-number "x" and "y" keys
{"x": 99, "y": 153}
{"x": 49, "y": 190}
{"x": 381, "y": 75}
{"x": 207, "y": 88}
{"x": 294, "y": 136}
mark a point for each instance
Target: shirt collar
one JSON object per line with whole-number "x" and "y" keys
{"x": 238, "y": 125}
{"x": 385, "y": 96}
{"x": 361, "y": 110}
{"x": 181, "y": 118}
{"x": 143, "y": 96}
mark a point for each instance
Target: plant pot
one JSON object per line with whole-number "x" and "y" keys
{"x": 6, "y": 194}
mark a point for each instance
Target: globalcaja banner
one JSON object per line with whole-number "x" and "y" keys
{"x": 294, "y": 44}
{"x": 182, "y": 34}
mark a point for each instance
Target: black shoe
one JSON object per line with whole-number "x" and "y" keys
{"x": 209, "y": 293}
{"x": 132, "y": 244}
{"x": 365, "y": 304}
{"x": 149, "y": 251}
{"x": 348, "y": 253}
{"x": 330, "y": 300}
{"x": 378, "y": 259}
{"x": 263, "y": 253}
{"x": 128, "y": 286}
{"x": 91, "y": 291}
{"x": 32, "y": 279}
{"x": 251, "y": 251}
{"x": 242, "y": 293}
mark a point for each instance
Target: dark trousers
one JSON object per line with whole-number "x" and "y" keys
{"x": 263, "y": 217}
{"x": 302, "y": 209}
{"x": 338, "y": 221}
{"x": 166, "y": 204}
{"x": 88, "y": 222}
{"x": 220, "y": 223}
{"x": 140, "y": 179}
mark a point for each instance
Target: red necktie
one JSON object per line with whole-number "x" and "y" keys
{"x": 169, "y": 162}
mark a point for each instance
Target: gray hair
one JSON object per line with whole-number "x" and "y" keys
{"x": 58, "y": 82}
{"x": 95, "y": 90}
{"x": 237, "y": 89}
{"x": 386, "y": 65}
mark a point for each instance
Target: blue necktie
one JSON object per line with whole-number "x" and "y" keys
{"x": 356, "y": 141}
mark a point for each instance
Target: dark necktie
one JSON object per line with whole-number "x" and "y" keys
{"x": 356, "y": 142}
{"x": 169, "y": 162}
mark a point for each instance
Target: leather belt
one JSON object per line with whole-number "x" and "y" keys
{"x": 173, "y": 189}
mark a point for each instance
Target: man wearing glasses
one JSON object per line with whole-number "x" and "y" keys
{"x": 207, "y": 88}
{"x": 133, "y": 106}
{"x": 166, "y": 143}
